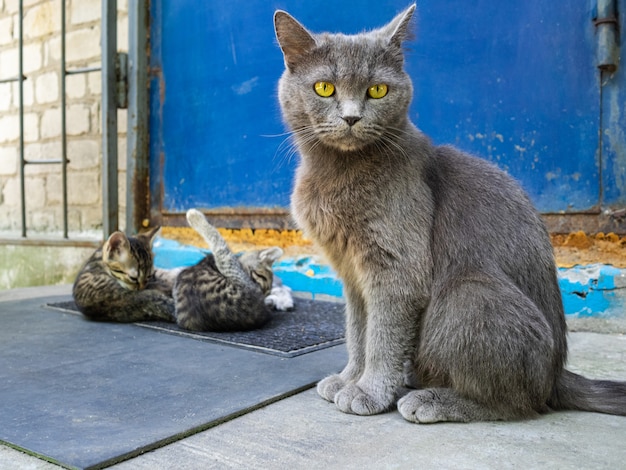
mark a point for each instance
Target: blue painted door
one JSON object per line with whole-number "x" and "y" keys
{"x": 513, "y": 82}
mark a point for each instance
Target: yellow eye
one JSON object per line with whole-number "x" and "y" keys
{"x": 377, "y": 91}
{"x": 324, "y": 89}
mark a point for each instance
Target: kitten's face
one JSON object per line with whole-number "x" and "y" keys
{"x": 258, "y": 265}
{"x": 346, "y": 92}
{"x": 129, "y": 260}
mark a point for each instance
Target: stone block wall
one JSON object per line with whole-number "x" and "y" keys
{"x": 42, "y": 117}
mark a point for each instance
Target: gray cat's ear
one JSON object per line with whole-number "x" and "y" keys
{"x": 116, "y": 244}
{"x": 150, "y": 235}
{"x": 271, "y": 254}
{"x": 293, "y": 38}
{"x": 399, "y": 29}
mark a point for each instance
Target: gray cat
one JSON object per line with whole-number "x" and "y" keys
{"x": 224, "y": 291}
{"x": 446, "y": 265}
{"x": 118, "y": 282}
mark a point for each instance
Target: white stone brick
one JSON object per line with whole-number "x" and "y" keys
{"x": 94, "y": 83}
{"x": 12, "y": 6}
{"x": 47, "y": 220}
{"x": 35, "y": 189}
{"x": 6, "y": 30}
{"x": 51, "y": 123}
{"x": 83, "y": 154}
{"x": 29, "y": 85}
{"x": 122, "y": 33}
{"x": 10, "y": 218}
{"x": 9, "y": 63}
{"x": 5, "y": 96}
{"x": 73, "y": 218}
{"x": 42, "y": 20}
{"x": 122, "y": 121}
{"x": 31, "y": 127}
{"x": 77, "y": 120}
{"x": 83, "y": 44}
{"x": 9, "y": 128}
{"x": 121, "y": 153}
{"x": 85, "y": 11}
{"x": 11, "y": 193}
{"x": 122, "y": 6}
{"x": 75, "y": 86}
{"x": 9, "y": 161}
{"x": 121, "y": 189}
{"x": 32, "y": 58}
{"x": 47, "y": 87}
{"x": 90, "y": 218}
{"x": 83, "y": 189}
{"x": 54, "y": 189}
{"x": 52, "y": 51}
{"x": 16, "y": 27}
{"x": 96, "y": 115}
{"x": 29, "y": 3}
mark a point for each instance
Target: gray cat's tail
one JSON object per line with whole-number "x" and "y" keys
{"x": 575, "y": 392}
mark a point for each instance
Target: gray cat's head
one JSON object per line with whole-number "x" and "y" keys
{"x": 130, "y": 259}
{"x": 258, "y": 265}
{"x": 345, "y": 92}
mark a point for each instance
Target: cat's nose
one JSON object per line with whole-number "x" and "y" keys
{"x": 351, "y": 120}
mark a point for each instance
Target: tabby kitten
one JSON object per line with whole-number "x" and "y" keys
{"x": 118, "y": 282}
{"x": 224, "y": 291}
{"x": 446, "y": 265}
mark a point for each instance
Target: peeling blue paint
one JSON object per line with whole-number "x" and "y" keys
{"x": 594, "y": 290}
{"x": 170, "y": 254}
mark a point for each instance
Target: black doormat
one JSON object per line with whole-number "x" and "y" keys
{"x": 311, "y": 326}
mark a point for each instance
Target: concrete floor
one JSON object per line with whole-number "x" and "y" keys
{"x": 304, "y": 431}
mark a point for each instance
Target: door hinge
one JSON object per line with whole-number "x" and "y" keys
{"x": 121, "y": 74}
{"x": 607, "y": 30}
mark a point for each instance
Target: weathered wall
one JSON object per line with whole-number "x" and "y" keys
{"x": 42, "y": 115}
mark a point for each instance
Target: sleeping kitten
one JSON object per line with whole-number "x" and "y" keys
{"x": 445, "y": 263}
{"x": 224, "y": 291}
{"x": 118, "y": 282}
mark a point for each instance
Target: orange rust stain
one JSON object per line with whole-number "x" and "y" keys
{"x": 580, "y": 248}
{"x": 571, "y": 249}
{"x": 291, "y": 241}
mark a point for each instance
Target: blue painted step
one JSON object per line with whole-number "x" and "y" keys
{"x": 593, "y": 290}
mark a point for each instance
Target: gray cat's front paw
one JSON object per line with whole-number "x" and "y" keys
{"x": 354, "y": 399}
{"x": 328, "y": 387}
{"x": 421, "y": 406}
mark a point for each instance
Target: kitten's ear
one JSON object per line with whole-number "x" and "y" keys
{"x": 150, "y": 235}
{"x": 116, "y": 244}
{"x": 293, "y": 38}
{"x": 270, "y": 255}
{"x": 399, "y": 29}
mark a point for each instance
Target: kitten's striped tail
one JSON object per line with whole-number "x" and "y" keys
{"x": 198, "y": 222}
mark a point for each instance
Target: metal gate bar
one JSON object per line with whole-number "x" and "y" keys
{"x": 110, "y": 206}
{"x": 137, "y": 135}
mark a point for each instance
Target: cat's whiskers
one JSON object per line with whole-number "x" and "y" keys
{"x": 390, "y": 143}
{"x": 288, "y": 148}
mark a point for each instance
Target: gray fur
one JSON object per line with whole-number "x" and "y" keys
{"x": 118, "y": 282}
{"x": 224, "y": 292}
{"x": 446, "y": 265}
